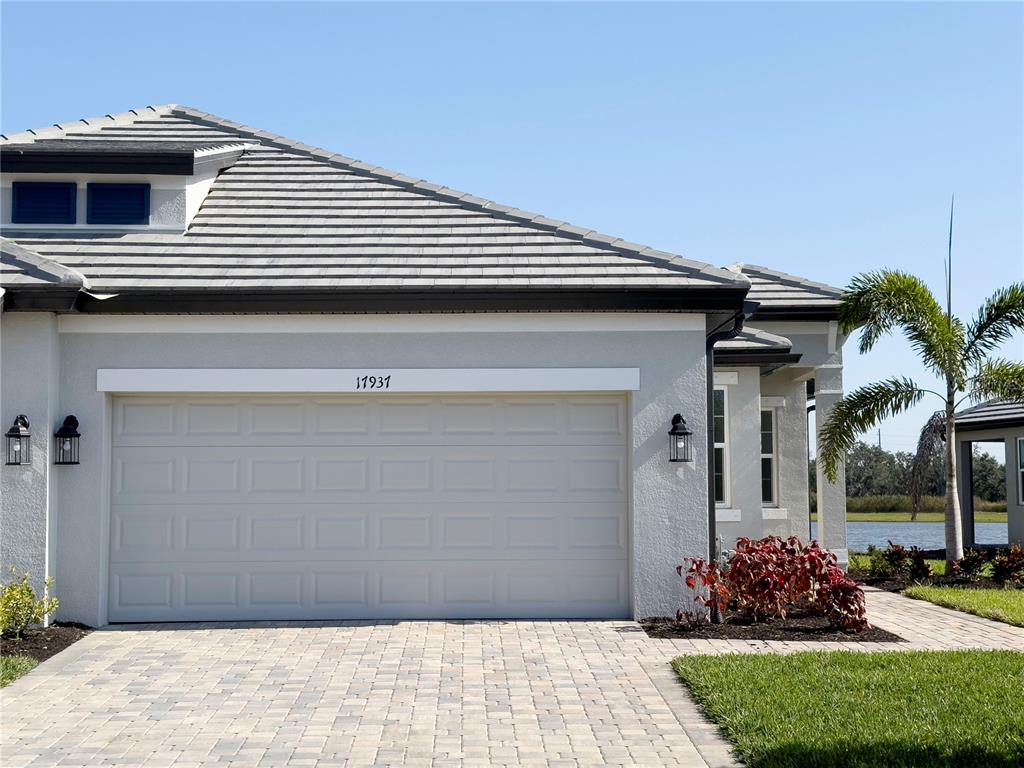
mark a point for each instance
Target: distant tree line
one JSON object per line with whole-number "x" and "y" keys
{"x": 874, "y": 471}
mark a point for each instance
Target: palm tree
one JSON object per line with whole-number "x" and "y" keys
{"x": 958, "y": 354}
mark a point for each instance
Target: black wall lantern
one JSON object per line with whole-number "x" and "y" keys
{"x": 679, "y": 445}
{"x": 66, "y": 442}
{"x": 19, "y": 442}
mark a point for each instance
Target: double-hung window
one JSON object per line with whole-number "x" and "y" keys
{"x": 720, "y": 428}
{"x": 769, "y": 459}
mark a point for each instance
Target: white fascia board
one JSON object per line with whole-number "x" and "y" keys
{"x": 790, "y": 327}
{"x": 514, "y": 322}
{"x": 358, "y": 380}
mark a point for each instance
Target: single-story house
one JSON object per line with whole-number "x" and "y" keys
{"x": 262, "y": 380}
{"x": 995, "y": 421}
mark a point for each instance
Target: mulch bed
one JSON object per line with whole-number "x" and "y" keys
{"x": 802, "y": 626}
{"x": 41, "y": 644}
{"x": 890, "y": 584}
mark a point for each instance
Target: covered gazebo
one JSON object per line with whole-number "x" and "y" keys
{"x": 995, "y": 421}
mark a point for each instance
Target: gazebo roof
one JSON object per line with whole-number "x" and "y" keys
{"x": 994, "y": 414}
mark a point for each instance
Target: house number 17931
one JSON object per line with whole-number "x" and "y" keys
{"x": 373, "y": 382}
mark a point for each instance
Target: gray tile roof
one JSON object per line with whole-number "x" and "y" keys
{"x": 291, "y": 217}
{"x": 990, "y": 415}
{"x": 21, "y": 268}
{"x": 120, "y": 146}
{"x": 775, "y": 290}
{"x": 755, "y": 340}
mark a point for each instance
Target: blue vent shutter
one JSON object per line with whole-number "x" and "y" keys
{"x": 118, "y": 204}
{"x": 43, "y": 202}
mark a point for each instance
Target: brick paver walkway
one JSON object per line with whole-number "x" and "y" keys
{"x": 485, "y": 693}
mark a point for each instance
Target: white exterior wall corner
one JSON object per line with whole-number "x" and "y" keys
{"x": 668, "y": 508}
{"x": 29, "y": 384}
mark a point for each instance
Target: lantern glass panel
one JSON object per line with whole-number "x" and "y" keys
{"x": 19, "y": 442}
{"x": 679, "y": 444}
{"x": 66, "y": 442}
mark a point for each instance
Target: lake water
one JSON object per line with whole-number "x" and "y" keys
{"x": 923, "y": 535}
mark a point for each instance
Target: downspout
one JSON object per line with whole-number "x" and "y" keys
{"x": 715, "y": 336}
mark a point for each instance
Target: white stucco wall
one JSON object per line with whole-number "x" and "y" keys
{"x": 167, "y": 199}
{"x": 821, "y": 347}
{"x": 29, "y": 385}
{"x": 669, "y": 502}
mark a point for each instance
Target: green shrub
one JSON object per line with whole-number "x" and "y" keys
{"x": 898, "y": 559}
{"x": 878, "y": 564}
{"x": 895, "y": 561}
{"x": 920, "y": 568}
{"x": 972, "y": 564}
{"x": 933, "y": 504}
{"x": 1008, "y": 566}
{"x": 19, "y": 607}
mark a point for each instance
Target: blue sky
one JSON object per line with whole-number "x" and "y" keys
{"x": 823, "y": 139}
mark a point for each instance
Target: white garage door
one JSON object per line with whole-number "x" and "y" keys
{"x": 343, "y": 507}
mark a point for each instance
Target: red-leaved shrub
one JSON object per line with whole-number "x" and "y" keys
{"x": 841, "y": 601}
{"x": 765, "y": 578}
{"x": 705, "y": 581}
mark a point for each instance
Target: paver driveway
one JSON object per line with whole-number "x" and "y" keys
{"x": 411, "y": 693}
{"x": 408, "y": 693}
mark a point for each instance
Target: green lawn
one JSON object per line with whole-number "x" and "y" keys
{"x": 1006, "y": 605}
{"x": 844, "y": 709}
{"x": 13, "y": 667}
{"x": 861, "y": 562}
{"x": 924, "y": 517}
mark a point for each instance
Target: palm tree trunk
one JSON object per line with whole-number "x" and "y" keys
{"x": 954, "y": 524}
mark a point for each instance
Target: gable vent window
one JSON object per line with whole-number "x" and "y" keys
{"x": 118, "y": 204}
{"x": 43, "y": 202}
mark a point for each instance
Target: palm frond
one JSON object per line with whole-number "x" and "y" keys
{"x": 859, "y": 411}
{"x": 933, "y": 434}
{"x": 997, "y": 320}
{"x": 879, "y": 302}
{"x": 998, "y": 379}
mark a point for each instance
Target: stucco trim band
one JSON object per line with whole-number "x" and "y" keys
{"x": 368, "y": 380}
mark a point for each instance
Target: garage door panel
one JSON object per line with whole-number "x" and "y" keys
{"x": 333, "y": 591}
{"x": 267, "y": 507}
{"x": 163, "y": 533}
{"x": 217, "y": 420}
{"x": 157, "y": 474}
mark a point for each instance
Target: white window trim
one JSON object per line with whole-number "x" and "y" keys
{"x": 774, "y": 456}
{"x": 1020, "y": 470}
{"x": 726, "y": 475}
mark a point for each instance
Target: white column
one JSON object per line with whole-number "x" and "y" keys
{"x": 831, "y": 496}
